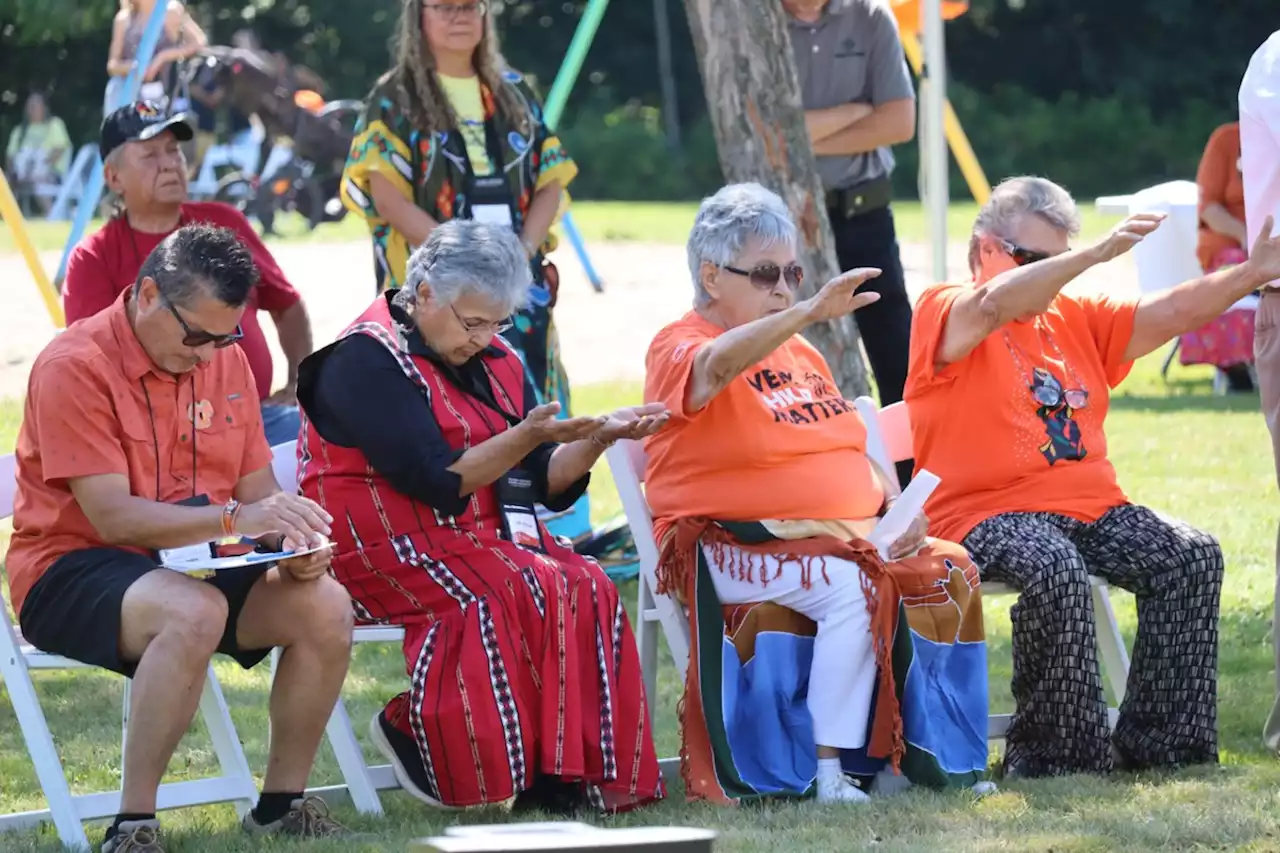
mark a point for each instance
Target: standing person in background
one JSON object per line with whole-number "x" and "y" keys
{"x": 39, "y": 151}
{"x": 144, "y": 167}
{"x": 451, "y": 132}
{"x": 1227, "y": 341}
{"x": 181, "y": 38}
{"x": 859, "y": 101}
{"x": 208, "y": 99}
{"x": 1260, "y": 169}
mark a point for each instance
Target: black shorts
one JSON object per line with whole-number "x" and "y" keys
{"x": 74, "y": 609}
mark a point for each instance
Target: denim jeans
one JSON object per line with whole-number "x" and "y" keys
{"x": 280, "y": 423}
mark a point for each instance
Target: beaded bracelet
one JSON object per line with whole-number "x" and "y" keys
{"x": 230, "y": 513}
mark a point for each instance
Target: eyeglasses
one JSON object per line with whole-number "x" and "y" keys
{"x": 196, "y": 338}
{"x": 458, "y": 10}
{"x": 765, "y": 276}
{"x": 1022, "y": 256}
{"x": 480, "y": 327}
{"x": 1052, "y": 396}
{"x": 1045, "y": 388}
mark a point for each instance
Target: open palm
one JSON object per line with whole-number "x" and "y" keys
{"x": 633, "y": 422}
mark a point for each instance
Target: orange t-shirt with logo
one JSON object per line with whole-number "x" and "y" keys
{"x": 97, "y": 404}
{"x": 978, "y": 425}
{"x": 779, "y": 442}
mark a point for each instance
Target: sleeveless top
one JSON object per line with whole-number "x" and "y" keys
{"x": 133, "y": 36}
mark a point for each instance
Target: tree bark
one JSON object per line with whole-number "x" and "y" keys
{"x": 753, "y": 94}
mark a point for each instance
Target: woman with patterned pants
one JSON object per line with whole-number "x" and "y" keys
{"x": 1008, "y": 390}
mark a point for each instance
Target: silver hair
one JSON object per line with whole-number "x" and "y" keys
{"x": 725, "y": 223}
{"x": 464, "y": 256}
{"x": 1016, "y": 198}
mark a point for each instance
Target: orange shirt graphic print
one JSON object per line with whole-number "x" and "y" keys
{"x": 1065, "y": 442}
{"x": 807, "y": 400}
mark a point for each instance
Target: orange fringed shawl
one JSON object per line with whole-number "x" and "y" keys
{"x": 677, "y": 565}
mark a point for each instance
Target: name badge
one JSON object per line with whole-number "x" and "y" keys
{"x": 492, "y": 214}
{"x": 519, "y": 517}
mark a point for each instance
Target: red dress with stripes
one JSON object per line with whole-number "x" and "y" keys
{"x": 519, "y": 663}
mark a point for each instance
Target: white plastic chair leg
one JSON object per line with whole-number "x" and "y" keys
{"x": 350, "y": 757}
{"x": 355, "y": 773}
{"x": 44, "y": 755}
{"x": 1115, "y": 658}
{"x": 226, "y": 744}
{"x": 124, "y": 719}
{"x": 647, "y": 641}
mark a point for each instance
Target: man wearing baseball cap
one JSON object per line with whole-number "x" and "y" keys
{"x": 145, "y": 167}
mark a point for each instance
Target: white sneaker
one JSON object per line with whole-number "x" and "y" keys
{"x": 838, "y": 789}
{"x": 984, "y": 789}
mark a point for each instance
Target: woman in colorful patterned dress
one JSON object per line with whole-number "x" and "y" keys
{"x": 452, "y": 133}
{"x": 423, "y": 437}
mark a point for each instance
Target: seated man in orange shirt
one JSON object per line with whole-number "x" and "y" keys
{"x": 142, "y": 433}
{"x": 1008, "y": 391}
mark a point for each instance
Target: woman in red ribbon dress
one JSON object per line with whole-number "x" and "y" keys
{"x": 422, "y": 438}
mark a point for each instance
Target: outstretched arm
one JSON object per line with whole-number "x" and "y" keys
{"x": 1029, "y": 289}
{"x": 721, "y": 360}
{"x": 1164, "y": 315}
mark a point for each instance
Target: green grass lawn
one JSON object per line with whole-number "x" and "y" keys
{"x": 1203, "y": 458}
{"x": 599, "y": 221}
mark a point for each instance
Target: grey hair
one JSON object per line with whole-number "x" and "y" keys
{"x": 464, "y": 256}
{"x": 1015, "y": 198}
{"x": 725, "y": 223}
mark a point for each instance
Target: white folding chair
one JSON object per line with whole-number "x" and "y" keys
{"x": 362, "y": 781}
{"x": 67, "y": 810}
{"x": 655, "y": 612}
{"x": 888, "y": 442}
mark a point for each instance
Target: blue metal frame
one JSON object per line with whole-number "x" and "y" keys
{"x": 126, "y": 94}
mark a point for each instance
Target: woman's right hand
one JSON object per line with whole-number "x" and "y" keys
{"x": 544, "y": 426}
{"x": 839, "y": 296}
{"x": 1126, "y": 235}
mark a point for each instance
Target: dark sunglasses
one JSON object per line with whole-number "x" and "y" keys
{"x": 1022, "y": 256}
{"x": 765, "y": 276}
{"x": 196, "y": 338}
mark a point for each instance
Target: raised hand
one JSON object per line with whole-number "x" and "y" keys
{"x": 839, "y": 296}
{"x": 1126, "y": 235}
{"x": 1264, "y": 258}
{"x": 542, "y": 423}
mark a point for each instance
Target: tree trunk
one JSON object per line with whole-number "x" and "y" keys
{"x": 753, "y": 94}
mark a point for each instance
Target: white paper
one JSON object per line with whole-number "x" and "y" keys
{"x": 904, "y": 511}
{"x": 198, "y": 559}
{"x": 492, "y": 214}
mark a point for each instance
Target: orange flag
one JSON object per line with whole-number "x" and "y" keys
{"x": 908, "y": 13}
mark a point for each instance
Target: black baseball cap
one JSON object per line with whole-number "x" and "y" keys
{"x": 141, "y": 121}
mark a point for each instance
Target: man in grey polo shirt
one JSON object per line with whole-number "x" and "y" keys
{"x": 858, "y": 101}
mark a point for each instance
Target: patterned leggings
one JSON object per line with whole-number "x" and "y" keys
{"x": 1169, "y": 714}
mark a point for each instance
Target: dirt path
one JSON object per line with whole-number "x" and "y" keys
{"x": 604, "y": 335}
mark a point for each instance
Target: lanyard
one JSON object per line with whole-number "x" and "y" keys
{"x": 493, "y": 188}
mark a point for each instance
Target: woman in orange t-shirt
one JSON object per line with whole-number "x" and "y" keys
{"x": 764, "y": 466}
{"x": 1008, "y": 391}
